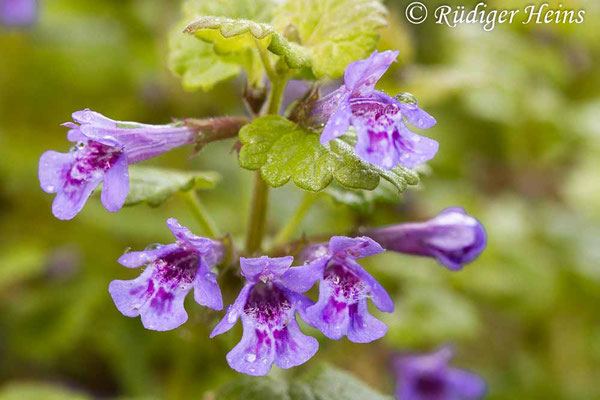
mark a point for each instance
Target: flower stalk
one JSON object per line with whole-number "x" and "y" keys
{"x": 201, "y": 214}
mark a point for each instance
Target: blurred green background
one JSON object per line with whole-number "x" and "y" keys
{"x": 518, "y": 113}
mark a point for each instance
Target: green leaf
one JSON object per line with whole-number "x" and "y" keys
{"x": 155, "y": 185}
{"x": 38, "y": 391}
{"x": 229, "y": 35}
{"x": 196, "y": 63}
{"x": 202, "y": 63}
{"x": 362, "y": 201}
{"x": 282, "y": 150}
{"x": 335, "y": 32}
{"x": 324, "y": 383}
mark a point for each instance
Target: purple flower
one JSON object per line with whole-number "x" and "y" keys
{"x": 18, "y": 12}
{"x": 172, "y": 271}
{"x": 344, "y": 290}
{"x": 267, "y": 305}
{"x": 428, "y": 377}
{"x": 383, "y": 138}
{"x": 453, "y": 237}
{"x": 104, "y": 150}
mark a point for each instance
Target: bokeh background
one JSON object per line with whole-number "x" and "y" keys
{"x": 518, "y": 113}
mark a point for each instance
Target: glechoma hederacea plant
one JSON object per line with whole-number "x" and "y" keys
{"x": 355, "y": 135}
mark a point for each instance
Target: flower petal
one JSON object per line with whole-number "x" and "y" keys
{"x": 363, "y": 327}
{"x": 270, "y": 267}
{"x": 130, "y": 296}
{"x": 466, "y": 385}
{"x": 211, "y": 250}
{"x": 52, "y": 168}
{"x": 379, "y": 296}
{"x": 417, "y": 117}
{"x": 414, "y": 149}
{"x": 292, "y": 347}
{"x": 342, "y": 246}
{"x": 328, "y": 315}
{"x": 136, "y": 259}
{"x": 361, "y": 76}
{"x": 338, "y": 123}
{"x": 206, "y": 288}
{"x": 234, "y": 311}
{"x": 116, "y": 185}
{"x": 70, "y": 199}
{"x": 88, "y": 116}
{"x": 255, "y": 352}
{"x": 165, "y": 310}
{"x": 300, "y": 279}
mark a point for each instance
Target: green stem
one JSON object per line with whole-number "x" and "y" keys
{"x": 208, "y": 226}
{"x": 294, "y": 222}
{"x": 264, "y": 57}
{"x": 258, "y": 215}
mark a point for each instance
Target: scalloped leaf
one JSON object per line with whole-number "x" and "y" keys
{"x": 282, "y": 150}
{"x": 153, "y": 185}
{"x": 199, "y": 65}
{"x": 229, "y": 35}
{"x": 334, "y": 32}
{"x": 323, "y": 383}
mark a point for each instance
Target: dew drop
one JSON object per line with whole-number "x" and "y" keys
{"x": 231, "y": 317}
{"x": 406, "y": 98}
{"x": 250, "y": 357}
{"x": 153, "y": 246}
{"x": 127, "y": 250}
{"x": 50, "y": 188}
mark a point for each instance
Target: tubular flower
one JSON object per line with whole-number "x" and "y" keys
{"x": 172, "y": 271}
{"x": 344, "y": 290}
{"x": 383, "y": 138}
{"x": 428, "y": 377}
{"x": 453, "y": 237}
{"x": 267, "y": 305}
{"x": 103, "y": 152}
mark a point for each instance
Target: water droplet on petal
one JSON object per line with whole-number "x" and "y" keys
{"x": 127, "y": 250}
{"x": 231, "y": 317}
{"x": 250, "y": 357}
{"x": 153, "y": 246}
{"x": 50, "y": 188}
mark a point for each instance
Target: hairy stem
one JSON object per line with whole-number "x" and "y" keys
{"x": 258, "y": 215}
{"x": 207, "y": 225}
{"x": 294, "y": 222}
{"x": 217, "y": 128}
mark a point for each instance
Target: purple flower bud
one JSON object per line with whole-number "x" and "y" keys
{"x": 453, "y": 237}
{"x": 172, "y": 271}
{"x": 267, "y": 305}
{"x": 343, "y": 292}
{"x": 428, "y": 377}
{"x": 103, "y": 152}
{"x": 383, "y": 138}
{"x": 18, "y": 12}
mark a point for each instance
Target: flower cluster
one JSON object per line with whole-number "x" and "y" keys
{"x": 383, "y": 137}
{"x": 273, "y": 291}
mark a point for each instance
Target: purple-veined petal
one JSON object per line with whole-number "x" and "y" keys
{"x": 363, "y": 327}
{"x": 416, "y": 117}
{"x": 338, "y": 123}
{"x": 299, "y": 302}
{"x": 136, "y": 259}
{"x": 466, "y": 385}
{"x": 71, "y": 199}
{"x": 52, "y": 169}
{"x": 206, "y": 288}
{"x": 379, "y": 296}
{"x": 160, "y": 306}
{"x": 342, "y": 246}
{"x": 116, "y": 185}
{"x": 361, "y": 76}
{"x": 255, "y": 352}
{"x": 302, "y": 278}
{"x": 414, "y": 149}
{"x": 292, "y": 347}
{"x": 264, "y": 268}
{"x": 328, "y": 315}
{"x": 234, "y": 311}
{"x": 377, "y": 147}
